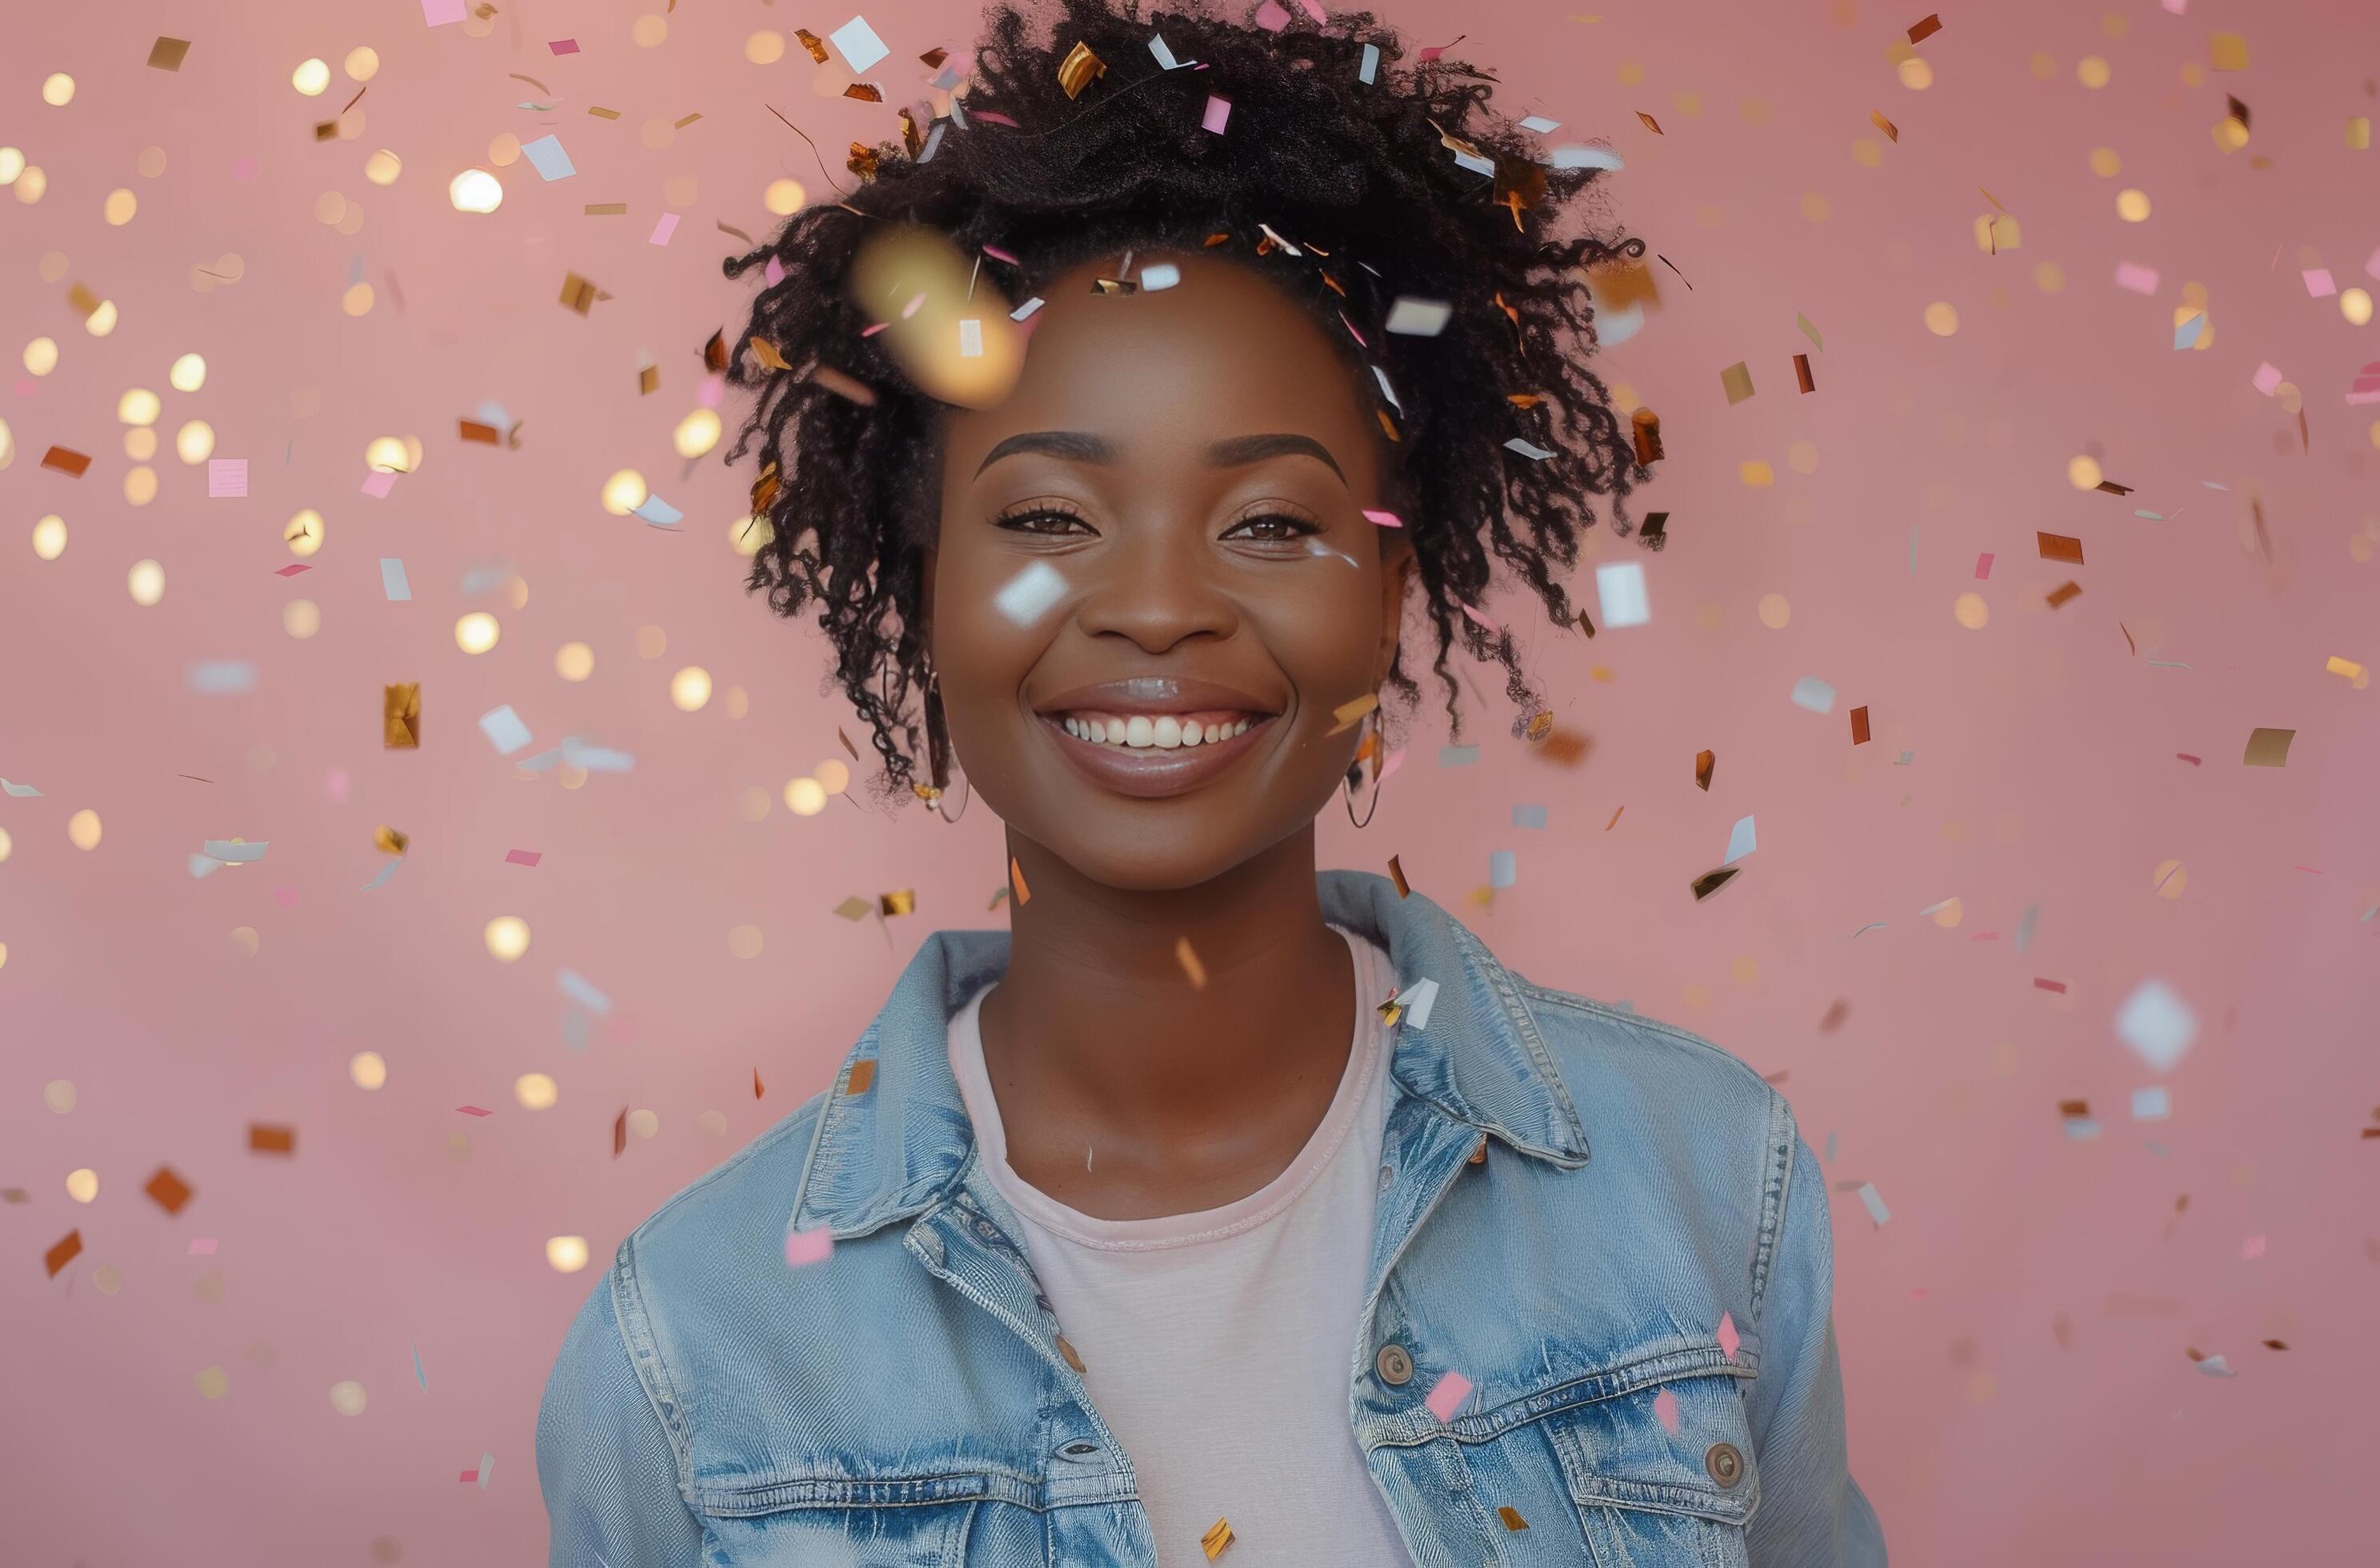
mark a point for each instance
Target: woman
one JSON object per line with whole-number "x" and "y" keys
{"x": 1219, "y": 1206}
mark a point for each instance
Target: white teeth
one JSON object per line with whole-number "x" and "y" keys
{"x": 1095, "y": 731}
{"x": 1141, "y": 732}
{"x": 1213, "y": 732}
{"x": 1243, "y": 728}
{"x": 1138, "y": 731}
{"x": 1167, "y": 733}
{"x": 1192, "y": 734}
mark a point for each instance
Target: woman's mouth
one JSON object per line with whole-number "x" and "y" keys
{"x": 1156, "y": 731}
{"x": 1150, "y": 736}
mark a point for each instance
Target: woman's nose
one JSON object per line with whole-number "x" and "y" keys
{"x": 1159, "y": 587}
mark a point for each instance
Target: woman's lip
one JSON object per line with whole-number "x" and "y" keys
{"x": 1154, "y": 695}
{"x": 1153, "y": 773}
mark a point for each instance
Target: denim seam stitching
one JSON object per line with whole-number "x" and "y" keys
{"x": 1777, "y": 1180}
{"x": 652, "y": 1372}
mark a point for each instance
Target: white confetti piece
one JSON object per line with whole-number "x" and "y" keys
{"x": 1502, "y": 868}
{"x": 504, "y": 730}
{"x": 1741, "y": 841}
{"x": 2152, "y": 1104}
{"x": 1418, "y": 318}
{"x": 546, "y": 156}
{"x": 1539, "y": 124}
{"x": 1161, "y": 274}
{"x": 1418, "y": 999}
{"x": 1030, "y": 593}
{"x": 1619, "y": 592}
{"x": 1369, "y": 71}
{"x": 2157, "y": 1024}
{"x": 219, "y": 677}
{"x": 1586, "y": 158}
{"x": 393, "y": 580}
{"x": 861, "y": 48}
{"x": 1874, "y": 1201}
{"x": 233, "y": 854}
{"x": 1528, "y": 449}
{"x": 1814, "y": 694}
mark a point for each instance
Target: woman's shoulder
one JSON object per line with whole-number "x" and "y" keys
{"x": 744, "y": 1200}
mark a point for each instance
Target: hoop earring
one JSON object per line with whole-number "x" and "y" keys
{"x": 935, "y": 792}
{"x": 1372, "y": 745}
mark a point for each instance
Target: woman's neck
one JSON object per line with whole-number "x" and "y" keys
{"x": 1189, "y": 1038}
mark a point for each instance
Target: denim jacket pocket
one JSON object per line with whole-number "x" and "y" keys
{"x": 831, "y": 1523}
{"x": 1663, "y": 1473}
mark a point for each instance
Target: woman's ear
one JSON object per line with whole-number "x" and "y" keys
{"x": 1396, "y": 571}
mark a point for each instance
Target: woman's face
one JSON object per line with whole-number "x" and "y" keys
{"x": 1155, "y": 586}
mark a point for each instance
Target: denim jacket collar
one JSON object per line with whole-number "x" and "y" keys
{"x": 901, "y": 1143}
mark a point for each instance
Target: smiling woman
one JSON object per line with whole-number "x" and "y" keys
{"x": 1220, "y": 1205}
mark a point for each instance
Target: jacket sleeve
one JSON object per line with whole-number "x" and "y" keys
{"x": 604, "y": 1459}
{"x": 1812, "y": 1513}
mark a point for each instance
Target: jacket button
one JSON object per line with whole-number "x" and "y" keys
{"x": 1394, "y": 1365}
{"x": 1725, "y": 1464}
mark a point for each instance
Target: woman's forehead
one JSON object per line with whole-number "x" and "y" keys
{"x": 1220, "y": 351}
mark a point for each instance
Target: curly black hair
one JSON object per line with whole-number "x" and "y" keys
{"x": 1354, "y": 175}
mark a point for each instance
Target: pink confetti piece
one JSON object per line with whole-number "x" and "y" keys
{"x": 1446, "y": 1396}
{"x": 2371, "y": 264}
{"x": 292, "y": 569}
{"x": 1984, "y": 567}
{"x": 1477, "y": 619}
{"x": 2057, "y": 986}
{"x": 1386, "y": 519}
{"x": 226, "y": 478}
{"x": 203, "y": 1247}
{"x": 1312, "y": 8}
{"x": 1665, "y": 1407}
{"x": 1271, "y": 17}
{"x": 667, "y": 226}
{"x": 287, "y": 897}
{"x": 2194, "y": 761}
{"x": 438, "y": 13}
{"x": 712, "y": 392}
{"x": 992, "y": 116}
{"x": 523, "y": 857}
{"x": 1351, "y": 332}
{"x": 564, "y": 46}
{"x": 1396, "y": 759}
{"x": 1218, "y": 113}
{"x": 379, "y": 483}
{"x": 2139, "y": 279}
{"x": 1729, "y": 1340}
{"x": 2177, "y": 7}
{"x": 873, "y": 328}
{"x": 473, "y": 1110}
{"x": 997, "y": 254}
{"x": 470, "y": 1474}
{"x": 2253, "y": 1247}
{"x": 2268, "y": 376}
{"x": 244, "y": 168}
{"x": 807, "y": 1246}
{"x": 2318, "y": 284}
{"x": 334, "y": 784}
{"x": 774, "y": 272}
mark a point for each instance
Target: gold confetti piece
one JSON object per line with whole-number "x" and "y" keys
{"x": 932, "y": 58}
{"x": 1615, "y": 817}
{"x": 1512, "y": 1517}
{"x": 2359, "y": 134}
{"x": 1565, "y": 748}
{"x": 1859, "y": 726}
{"x": 326, "y": 131}
{"x": 813, "y": 43}
{"x": 1884, "y": 124}
{"x": 1389, "y": 1011}
{"x": 83, "y": 299}
{"x": 1077, "y": 70}
{"x": 766, "y": 352}
{"x": 2348, "y": 667}
{"x": 1216, "y": 1538}
{"x": 846, "y": 743}
{"x": 649, "y": 380}
{"x": 620, "y": 1133}
{"x": 1835, "y": 1016}
{"x": 1736, "y": 381}
{"x": 1187, "y": 956}
{"x": 2275, "y": 1344}
{"x": 1114, "y": 286}
{"x": 167, "y": 1191}
{"x": 472, "y": 430}
{"x": 1382, "y": 414}
{"x": 1711, "y": 881}
{"x": 681, "y": 124}
{"x": 2268, "y": 748}
{"x": 2112, "y": 488}
{"x": 607, "y": 209}
{"x": 1705, "y": 762}
{"x": 400, "y": 717}
{"x": 1479, "y": 1157}
{"x": 1016, "y": 880}
{"x": 1067, "y": 1350}
{"x": 1802, "y": 372}
{"x": 714, "y": 353}
{"x": 167, "y": 54}
{"x": 1925, "y": 29}
{"x": 1650, "y": 122}
{"x": 578, "y": 293}
{"x": 867, "y": 92}
{"x": 389, "y": 841}
{"x": 265, "y": 1138}
{"x": 1397, "y": 875}
{"x": 1217, "y": 239}
{"x": 1647, "y": 429}
{"x": 68, "y": 1248}
{"x": 2063, "y": 592}
{"x": 603, "y": 113}
{"x": 2074, "y": 1109}
{"x": 1349, "y": 712}
{"x": 2061, "y": 547}
{"x": 731, "y": 228}
{"x": 757, "y": 1089}
{"x": 66, "y": 461}
{"x": 862, "y": 161}
{"x": 1585, "y": 625}
{"x": 902, "y": 901}
{"x": 844, "y": 386}
{"x": 2226, "y": 51}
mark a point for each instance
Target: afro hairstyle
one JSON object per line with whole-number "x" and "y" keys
{"x": 1355, "y": 172}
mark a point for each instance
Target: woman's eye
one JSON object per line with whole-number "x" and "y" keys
{"x": 1044, "y": 520}
{"x": 1273, "y": 526}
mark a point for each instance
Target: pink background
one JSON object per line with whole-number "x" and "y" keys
{"x": 2042, "y": 767}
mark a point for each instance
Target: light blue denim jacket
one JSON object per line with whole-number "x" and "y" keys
{"x": 1636, "y": 1279}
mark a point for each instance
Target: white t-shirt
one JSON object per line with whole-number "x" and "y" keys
{"x": 1218, "y": 1345}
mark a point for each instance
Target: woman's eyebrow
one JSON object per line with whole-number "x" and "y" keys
{"x": 1236, "y": 452}
{"x": 1241, "y": 450}
{"x": 1080, "y": 447}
